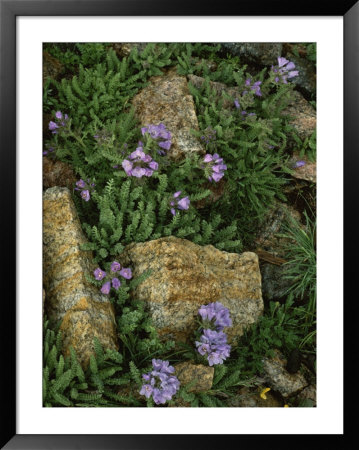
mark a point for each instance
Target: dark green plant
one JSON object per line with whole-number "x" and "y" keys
{"x": 65, "y": 383}
{"x": 300, "y": 269}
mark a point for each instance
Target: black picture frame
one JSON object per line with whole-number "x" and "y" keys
{"x": 9, "y": 10}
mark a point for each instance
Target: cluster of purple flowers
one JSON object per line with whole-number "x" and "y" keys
{"x": 215, "y": 163}
{"x": 179, "y": 203}
{"x": 217, "y": 314}
{"x": 254, "y": 87}
{"x": 85, "y": 188}
{"x": 284, "y": 70}
{"x": 159, "y": 132}
{"x": 60, "y": 121}
{"x": 160, "y": 383}
{"x": 213, "y": 343}
{"x": 115, "y": 282}
{"x": 139, "y": 164}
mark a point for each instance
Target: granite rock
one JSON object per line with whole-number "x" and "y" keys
{"x": 267, "y": 237}
{"x": 51, "y": 67}
{"x": 279, "y": 379}
{"x": 124, "y": 49}
{"x": 262, "y": 53}
{"x": 167, "y": 100}
{"x": 306, "y": 81}
{"x": 200, "y": 376}
{"x": 56, "y": 173}
{"x": 308, "y": 396}
{"x": 308, "y": 172}
{"x": 304, "y": 117}
{"x": 83, "y": 311}
{"x": 185, "y": 276}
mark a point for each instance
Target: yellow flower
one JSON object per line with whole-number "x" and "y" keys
{"x": 286, "y": 406}
{"x": 263, "y": 393}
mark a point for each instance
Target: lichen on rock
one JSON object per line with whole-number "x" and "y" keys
{"x": 83, "y": 311}
{"x": 184, "y": 276}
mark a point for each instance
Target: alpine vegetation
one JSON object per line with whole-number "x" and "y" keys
{"x": 210, "y": 166}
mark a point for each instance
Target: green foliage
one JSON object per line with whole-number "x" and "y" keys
{"x": 72, "y": 55}
{"x": 308, "y": 146}
{"x": 256, "y": 171}
{"x": 65, "y": 383}
{"x": 281, "y": 327}
{"x": 301, "y": 266}
{"x": 137, "y": 213}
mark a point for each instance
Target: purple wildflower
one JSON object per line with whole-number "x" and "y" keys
{"x": 217, "y": 313}
{"x": 85, "y": 188}
{"x": 215, "y": 164}
{"x": 139, "y": 164}
{"x": 115, "y": 266}
{"x": 80, "y": 184}
{"x": 183, "y": 203}
{"x": 299, "y": 164}
{"x": 284, "y": 69}
{"x": 85, "y": 194}
{"x": 52, "y": 125}
{"x": 126, "y": 273}
{"x": 116, "y": 283}
{"x": 236, "y": 103}
{"x": 254, "y": 87}
{"x": 60, "y": 121}
{"x": 99, "y": 274}
{"x": 179, "y": 203}
{"x": 213, "y": 344}
{"x": 106, "y": 288}
{"x": 161, "y": 384}
{"x": 159, "y": 132}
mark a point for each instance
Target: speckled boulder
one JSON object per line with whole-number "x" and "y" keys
{"x": 200, "y": 376}
{"x": 51, "y": 67}
{"x": 304, "y": 118}
{"x": 262, "y": 53}
{"x": 56, "y": 173}
{"x": 185, "y": 276}
{"x": 279, "y": 379}
{"x": 306, "y": 79}
{"x": 83, "y": 311}
{"x": 167, "y": 100}
{"x": 307, "y": 172}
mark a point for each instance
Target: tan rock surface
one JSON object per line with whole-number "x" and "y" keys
{"x": 185, "y": 276}
{"x": 308, "y": 172}
{"x": 83, "y": 310}
{"x": 200, "y": 376}
{"x": 56, "y": 173}
{"x": 167, "y": 100}
{"x": 304, "y": 118}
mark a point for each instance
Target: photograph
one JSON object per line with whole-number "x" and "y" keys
{"x": 179, "y": 217}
